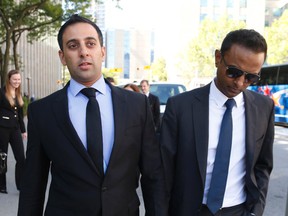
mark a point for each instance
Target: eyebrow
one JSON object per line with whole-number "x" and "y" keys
{"x": 76, "y": 40}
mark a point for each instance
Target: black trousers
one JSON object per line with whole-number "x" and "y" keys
{"x": 14, "y": 137}
{"x": 238, "y": 210}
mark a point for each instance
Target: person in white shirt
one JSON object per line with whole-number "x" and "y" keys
{"x": 191, "y": 130}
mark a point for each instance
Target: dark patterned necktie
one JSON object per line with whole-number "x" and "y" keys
{"x": 94, "y": 129}
{"x": 222, "y": 158}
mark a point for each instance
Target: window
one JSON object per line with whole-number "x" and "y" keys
{"x": 243, "y": 3}
{"x": 230, "y": 3}
{"x": 204, "y": 3}
{"x": 217, "y": 3}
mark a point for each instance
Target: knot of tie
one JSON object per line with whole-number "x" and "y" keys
{"x": 88, "y": 92}
{"x": 230, "y": 103}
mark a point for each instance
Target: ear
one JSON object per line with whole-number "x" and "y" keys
{"x": 103, "y": 51}
{"x": 61, "y": 56}
{"x": 217, "y": 57}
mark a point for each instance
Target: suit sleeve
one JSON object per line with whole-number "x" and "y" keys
{"x": 32, "y": 193}
{"x": 264, "y": 164}
{"x": 157, "y": 113}
{"x": 168, "y": 143}
{"x": 21, "y": 121}
{"x": 152, "y": 178}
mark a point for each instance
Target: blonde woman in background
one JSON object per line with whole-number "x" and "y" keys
{"x": 12, "y": 128}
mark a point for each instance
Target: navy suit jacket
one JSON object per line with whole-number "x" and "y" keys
{"x": 184, "y": 147}
{"x": 76, "y": 188}
{"x": 155, "y": 109}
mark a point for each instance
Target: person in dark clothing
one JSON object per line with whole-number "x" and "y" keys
{"x": 60, "y": 142}
{"x": 12, "y": 128}
{"x": 154, "y": 103}
{"x": 217, "y": 140}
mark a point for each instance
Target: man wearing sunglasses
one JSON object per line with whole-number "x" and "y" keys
{"x": 217, "y": 140}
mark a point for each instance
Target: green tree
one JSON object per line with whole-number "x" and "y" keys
{"x": 197, "y": 61}
{"x": 16, "y": 18}
{"x": 38, "y": 18}
{"x": 108, "y": 73}
{"x": 159, "y": 71}
{"x": 276, "y": 36}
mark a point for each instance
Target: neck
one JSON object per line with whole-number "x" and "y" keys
{"x": 13, "y": 92}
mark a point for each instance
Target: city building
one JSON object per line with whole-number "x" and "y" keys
{"x": 40, "y": 66}
{"x": 172, "y": 31}
{"x": 131, "y": 50}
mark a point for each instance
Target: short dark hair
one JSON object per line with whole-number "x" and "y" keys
{"x": 247, "y": 38}
{"x": 77, "y": 19}
{"x": 144, "y": 81}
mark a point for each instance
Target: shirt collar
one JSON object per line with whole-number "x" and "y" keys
{"x": 220, "y": 99}
{"x": 76, "y": 87}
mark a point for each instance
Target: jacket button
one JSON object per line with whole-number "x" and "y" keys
{"x": 104, "y": 189}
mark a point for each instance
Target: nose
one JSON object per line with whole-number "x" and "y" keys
{"x": 83, "y": 51}
{"x": 240, "y": 81}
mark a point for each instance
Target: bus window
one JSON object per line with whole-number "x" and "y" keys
{"x": 268, "y": 76}
{"x": 283, "y": 75}
{"x": 274, "y": 84}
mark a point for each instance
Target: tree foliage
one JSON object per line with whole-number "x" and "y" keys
{"x": 198, "y": 59}
{"x": 159, "y": 71}
{"x": 276, "y": 37}
{"x": 38, "y": 18}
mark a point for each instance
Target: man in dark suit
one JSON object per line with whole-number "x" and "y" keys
{"x": 190, "y": 132}
{"x": 57, "y": 141}
{"x": 154, "y": 103}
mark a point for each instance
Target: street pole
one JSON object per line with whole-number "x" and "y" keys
{"x": 28, "y": 83}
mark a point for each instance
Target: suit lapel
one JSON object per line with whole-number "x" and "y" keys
{"x": 60, "y": 110}
{"x": 120, "y": 114}
{"x": 251, "y": 112}
{"x": 200, "y": 111}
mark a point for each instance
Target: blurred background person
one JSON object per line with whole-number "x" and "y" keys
{"x": 132, "y": 87}
{"x": 154, "y": 103}
{"x": 12, "y": 128}
{"x": 111, "y": 80}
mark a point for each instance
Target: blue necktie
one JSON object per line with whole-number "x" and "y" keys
{"x": 94, "y": 129}
{"x": 222, "y": 158}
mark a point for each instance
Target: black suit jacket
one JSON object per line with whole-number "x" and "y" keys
{"x": 10, "y": 117}
{"x": 76, "y": 188}
{"x": 184, "y": 145}
{"x": 155, "y": 108}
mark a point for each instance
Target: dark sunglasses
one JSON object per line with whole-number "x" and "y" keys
{"x": 234, "y": 72}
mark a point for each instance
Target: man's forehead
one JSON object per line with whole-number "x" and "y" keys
{"x": 80, "y": 30}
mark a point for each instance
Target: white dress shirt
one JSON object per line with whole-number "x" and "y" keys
{"x": 235, "y": 191}
{"x": 77, "y": 103}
